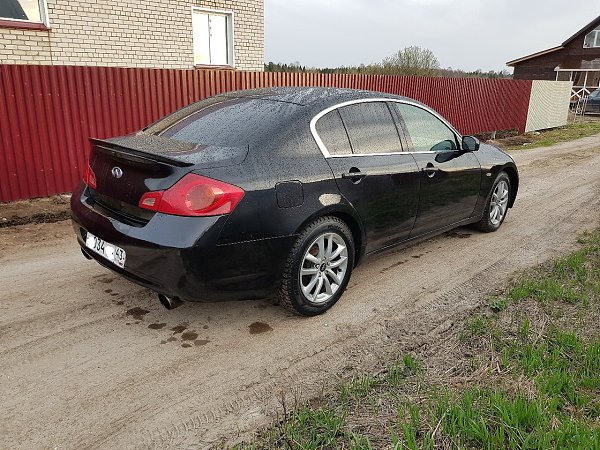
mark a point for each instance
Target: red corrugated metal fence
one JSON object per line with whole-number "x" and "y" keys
{"x": 47, "y": 113}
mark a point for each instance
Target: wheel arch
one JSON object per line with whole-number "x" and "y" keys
{"x": 351, "y": 219}
{"x": 513, "y": 176}
{"x": 357, "y": 234}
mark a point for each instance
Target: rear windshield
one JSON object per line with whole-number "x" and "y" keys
{"x": 228, "y": 123}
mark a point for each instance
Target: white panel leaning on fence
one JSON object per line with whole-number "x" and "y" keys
{"x": 548, "y": 105}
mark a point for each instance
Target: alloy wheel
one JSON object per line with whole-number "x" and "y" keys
{"x": 323, "y": 267}
{"x": 499, "y": 203}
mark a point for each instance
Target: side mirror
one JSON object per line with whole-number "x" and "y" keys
{"x": 470, "y": 143}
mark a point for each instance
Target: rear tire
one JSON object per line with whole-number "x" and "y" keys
{"x": 318, "y": 267}
{"x": 496, "y": 205}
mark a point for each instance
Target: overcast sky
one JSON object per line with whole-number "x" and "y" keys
{"x": 464, "y": 34}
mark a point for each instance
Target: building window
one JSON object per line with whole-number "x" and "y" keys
{"x": 213, "y": 37}
{"x": 23, "y": 10}
{"x": 592, "y": 39}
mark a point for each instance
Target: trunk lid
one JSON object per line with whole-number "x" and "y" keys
{"x": 128, "y": 167}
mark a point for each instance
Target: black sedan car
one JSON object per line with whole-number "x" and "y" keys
{"x": 281, "y": 192}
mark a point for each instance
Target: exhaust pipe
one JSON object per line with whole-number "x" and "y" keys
{"x": 169, "y": 302}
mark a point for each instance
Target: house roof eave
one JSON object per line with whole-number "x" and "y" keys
{"x": 534, "y": 55}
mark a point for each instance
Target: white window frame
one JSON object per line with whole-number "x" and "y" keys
{"x": 596, "y": 43}
{"x": 43, "y": 6}
{"x": 230, "y": 26}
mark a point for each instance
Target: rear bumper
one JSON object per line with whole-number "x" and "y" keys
{"x": 179, "y": 256}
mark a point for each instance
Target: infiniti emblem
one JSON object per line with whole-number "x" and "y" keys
{"x": 117, "y": 172}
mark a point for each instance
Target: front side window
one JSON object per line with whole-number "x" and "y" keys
{"x": 371, "y": 128}
{"x": 426, "y": 131}
{"x": 213, "y": 38}
{"x": 26, "y": 10}
{"x": 592, "y": 39}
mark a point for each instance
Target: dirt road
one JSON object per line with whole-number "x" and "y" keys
{"x": 88, "y": 360}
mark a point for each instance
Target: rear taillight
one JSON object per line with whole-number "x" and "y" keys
{"x": 194, "y": 195}
{"x": 89, "y": 177}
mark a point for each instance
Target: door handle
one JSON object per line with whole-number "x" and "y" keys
{"x": 354, "y": 176}
{"x": 430, "y": 170}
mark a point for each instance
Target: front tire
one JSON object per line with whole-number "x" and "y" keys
{"x": 318, "y": 268}
{"x": 496, "y": 204}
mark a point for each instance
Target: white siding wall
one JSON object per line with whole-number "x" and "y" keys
{"x": 548, "y": 105}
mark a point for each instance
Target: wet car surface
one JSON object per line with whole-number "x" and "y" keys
{"x": 282, "y": 192}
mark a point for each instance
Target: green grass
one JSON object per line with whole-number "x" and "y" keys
{"x": 564, "y": 368}
{"x": 497, "y": 304}
{"x": 532, "y": 382}
{"x": 571, "y": 279}
{"x": 554, "y": 136}
{"x": 307, "y": 428}
{"x": 358, "y": 387}
{"x": 493, "y": 419}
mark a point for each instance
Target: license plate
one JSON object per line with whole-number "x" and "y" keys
{"x": 114, "y": 254}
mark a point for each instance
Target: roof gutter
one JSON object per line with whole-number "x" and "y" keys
{"x": 534, "y": 55}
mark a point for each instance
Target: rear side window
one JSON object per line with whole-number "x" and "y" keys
{"x": 426, "y": 131}
{"x": 333, "y": 134}
{"x": 371, "y": 128}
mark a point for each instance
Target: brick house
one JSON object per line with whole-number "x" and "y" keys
{"x": 577, "y": 59}
{"x": 177, "y": 34}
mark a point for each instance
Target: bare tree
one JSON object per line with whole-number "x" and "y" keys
{"x": 412, "y": 60}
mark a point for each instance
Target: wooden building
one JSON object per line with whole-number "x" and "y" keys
{"x": 577, "y": 59}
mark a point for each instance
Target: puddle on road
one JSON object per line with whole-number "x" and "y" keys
{"x": 458, "y": 235}
{"x": 104, "y": 279}
{"x": 392, "y": 266}
{"x": 179, "y": 328}
{"x": 157, "y": 326}
{"x": 421, "y": 254}
{"x": 259, "y": 327}
{"x": 137, "y": 313}
{"x": 200, "y": 342}
{"x": 189, "y": 336}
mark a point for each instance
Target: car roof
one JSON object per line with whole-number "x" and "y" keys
{"x": 295, "y": 104}
{"x": 317, "y": 98}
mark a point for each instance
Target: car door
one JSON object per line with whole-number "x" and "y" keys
{"x": 371, "y": 170}
{"x": 450, "y": 178}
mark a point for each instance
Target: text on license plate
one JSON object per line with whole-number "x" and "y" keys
{"x": 111, "y": 252}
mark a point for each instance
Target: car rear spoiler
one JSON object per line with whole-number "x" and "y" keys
{"x": 157, "y": 149}
{"x": 149, "y": 148}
